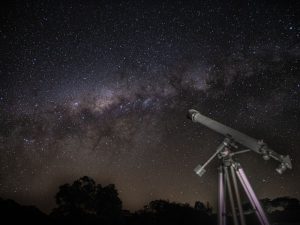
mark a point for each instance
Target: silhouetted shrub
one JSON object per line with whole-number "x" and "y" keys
{"x": 85, "y": 201}
{"x": 13, "y": 213}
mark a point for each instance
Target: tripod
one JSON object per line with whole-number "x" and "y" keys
{"x": 229, "y": 171}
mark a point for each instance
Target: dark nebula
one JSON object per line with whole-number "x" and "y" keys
{"x": 102, "y": 89}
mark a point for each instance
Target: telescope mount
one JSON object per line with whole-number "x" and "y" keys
{"x": 229, "y": 171}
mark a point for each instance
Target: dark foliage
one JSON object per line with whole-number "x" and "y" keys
{"x": 283, "y": 210}
{"x": 13, "y": 213}
{"x": 165, "y": 212}
{"x": 85, "y": 202}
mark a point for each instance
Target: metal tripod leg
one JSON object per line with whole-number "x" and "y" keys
{"x": 252, "y": 197}
{"x": 234, "y": 216}
{"x": 221, "y": 198}
{"x": 237, "y": 195}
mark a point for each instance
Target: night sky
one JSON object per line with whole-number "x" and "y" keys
{"x": 102, "y": 88}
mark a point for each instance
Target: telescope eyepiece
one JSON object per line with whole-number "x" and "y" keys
{"x": 191, "y": 114}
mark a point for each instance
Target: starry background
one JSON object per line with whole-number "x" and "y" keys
{"x": 102, "y": 88}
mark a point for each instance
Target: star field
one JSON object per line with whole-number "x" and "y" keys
{"x": 102, "y": 88}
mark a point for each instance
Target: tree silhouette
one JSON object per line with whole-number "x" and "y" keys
{"x": 164, "y": 212}
{"x": 285, "y": 209}
{"x": 286, "y": 203}
{"x": 85, "y": 200}
{"x": 108, "y": 204}
{"x": 200, "y": 206}
{"x": 14, "y": 213}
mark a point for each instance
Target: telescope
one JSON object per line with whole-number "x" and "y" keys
{"x": 230, "y": 170}
{"x": 257, "y": 146}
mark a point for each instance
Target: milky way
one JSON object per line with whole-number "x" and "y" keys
{"x": 102, "y": 89}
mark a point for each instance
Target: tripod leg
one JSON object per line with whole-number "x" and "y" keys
{"x": 252, "y": 197}
{"x": 222, "y": 205}
{"x": 234, "y": 216}
{"x": 237, "y": 195}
